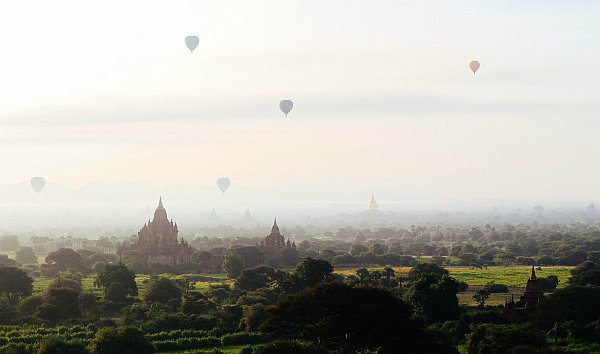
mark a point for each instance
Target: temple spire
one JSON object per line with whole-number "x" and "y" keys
{"x": 372, "y": 203}
{"x": 533, "y": 273}
{"x": 275, "y": 228}
{"x": 160, "y": 206}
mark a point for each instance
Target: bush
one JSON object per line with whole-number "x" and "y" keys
{"x": 120, "y": 340}
{"x": 492, "y": 287}
{"x": 116, "y": 292}
{"x": 30, "y": 304}
{"x": 501, "y": 339}
{"x": 289, "y": 346}
{"x": 54, "y": 345}
{"x": 242, "y": 338}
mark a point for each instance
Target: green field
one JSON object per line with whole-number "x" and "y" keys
{"x": 515, "y": 276}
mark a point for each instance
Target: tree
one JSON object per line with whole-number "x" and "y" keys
{"x": 481, "y": 296}
{"x": 500, "y": 339}
{"x": 290, "y": 346}
{"x": 14, "y": 283}
{"x": 117, "y": 273}
{"x": 259, "y": 277}
{"x": 110, "y": 340}
{"x": 66, "y": 301}
{"x": 573, "y": 303}
{"x": 493, "y": 288}
{"x": 320, "y": 314}
{"x": 434, "y": 300}
{"x": 357, "y": 248}
{"x": 586, "y": 273}
{"x": 312, "y": 271}
{"x": 5, "y": 261}
{"x": 65, "y": 258}
{"x": 203, "y": 258}
{"x": 421, "y": 268}
{"x": 9, "y": 243}
{"x": 233, "y": 264}
{"x": 378, "y": 249}
{"x": 55, "y": 345}
{"x": 251, "y": 255}
{"x": 163, "y": 290}
{"x": 116, "y": 292}
{"x": 65, "y": 283}
{"x": 25, "y": 255}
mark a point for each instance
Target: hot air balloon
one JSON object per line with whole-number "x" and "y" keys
{"x": 474, "y": 65}
{"x": 223, "y": 184}
{"x": 286, "y": 106}
{"x": 38, "y": 183}
{"x": 191, "y": 42}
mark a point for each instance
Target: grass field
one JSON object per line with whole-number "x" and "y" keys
{"x": 515, "y": 276}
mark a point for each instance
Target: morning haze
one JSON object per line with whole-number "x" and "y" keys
{"x": 277, "y": 176}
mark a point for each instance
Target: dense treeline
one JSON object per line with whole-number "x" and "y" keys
{"x": 94, "y": 303}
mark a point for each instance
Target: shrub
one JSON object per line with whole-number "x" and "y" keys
{"x": 54, "y": 345}
{"x": 289, "y": 346}
{"x": 242, "y": 338}
{"x": 121, "y": 340}
{"x": 496, "y": 288}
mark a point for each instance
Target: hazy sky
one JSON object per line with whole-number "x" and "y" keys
{"x": 107, "y": 91}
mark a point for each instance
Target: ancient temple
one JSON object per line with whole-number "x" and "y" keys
{"x": 275, "y": 241}
{"x": 521, "y": 311}
{"x": 373, "y": 207}
{"x": 157, "y": 241}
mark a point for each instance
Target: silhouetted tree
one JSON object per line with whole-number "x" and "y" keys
{"x": 117, "y": 273}
{"x": 14, "y": 283}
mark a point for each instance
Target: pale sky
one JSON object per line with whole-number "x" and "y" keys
{"x": 108, "y": 92}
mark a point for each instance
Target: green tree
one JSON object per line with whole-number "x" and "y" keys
{"x": 344, "y": 317}
{"x": 251, "y": 255}
{"x": 25, "y": 255}
{"x": 434, "y": 300}
{"x": 258, "y": 277}
{"x": 65, "y": 283}
{"x": 357, "y": 248}
{"x": 501, "y": 339}
{"x": 65, "y": 258}
{"x": 55, "y": 345}
{"x": 117, "y": 273}
{"x": 14, "y": 283}
{"x": 163, "y": 290}
{"x": 481, "y": 296}
{"x": 573, "y": 303}
{"x": 233, "y": 264}
{"x": 312, "y": 271}
{"x": 66, "y": 301}
{"x": 111, "y": 340}
{"x": 421, "y": 268}
{"x": 116, "y": 292}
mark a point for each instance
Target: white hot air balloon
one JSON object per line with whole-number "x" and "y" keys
{"x": 223, "y": 184}
{"x": 474, "y": 65}
{"x": 286, "y": 106}
{"x": 38, "y": 183}
{"x": 191, "y": 42}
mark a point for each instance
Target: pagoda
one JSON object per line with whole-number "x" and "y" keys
{"x": 521, "y": 311}
{"x": 157, "y": 241}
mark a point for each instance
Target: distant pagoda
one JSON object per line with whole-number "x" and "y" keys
{"x": 275, "y": 241}
{"x": 157, "y": 241}
{"x": 522, "y": 310}
{"x": 373, "y": 207}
